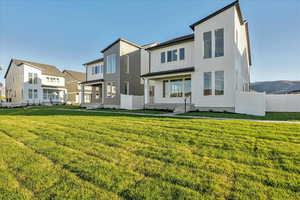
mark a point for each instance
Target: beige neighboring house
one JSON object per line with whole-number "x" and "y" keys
{"x": 2, "y": 92}
{"x": 73, "y": 80}
{"x": 29, "y": 82}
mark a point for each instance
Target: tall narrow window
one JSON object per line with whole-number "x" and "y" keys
{"x": 187, "y": 87}
{"x": 111, "y": 89}
{"x": 30, "y": 94}
{"x": 181, "y": 54}
{"x": 174, "y": 55}
{"x": 162, "y": 57}
{"x": 35, "y": 78}
{"x": 219, "y": 43}
{"x": 169, "y": 56}
{"x": 111, "y": 64}
{"x": 219, "y": 83}
{"x": 207, "y": 84}
{"x": 126, "y": 64}
{"x": 207, "y": 44}
{"x": 35, "y": 92}
{"x": 126, "y": 89}
{"x": 30, "y": 78}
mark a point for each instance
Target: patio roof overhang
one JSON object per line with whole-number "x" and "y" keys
{"x": 92, "y": 82}
{"x": 169, "y": 73}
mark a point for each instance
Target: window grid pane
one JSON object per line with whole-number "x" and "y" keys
{"x": 181, "y": 54}
{"x": 219, "y": 83}
{"x": 219, "y": 43}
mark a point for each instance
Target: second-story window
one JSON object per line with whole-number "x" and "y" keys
{"x": 111, "y": 64}
{"x": 181, "y": 54}
{"x": 162, "y": 57}
{"x": 30, "y": 78}
{"x": 219, "y": 42}
{"x": 169, "y": 56}
{"x": 174, "y": 55}
{"x": 35, "y": 78}
{"x": 126, "y": 64}
{"x": 207, "y": 44}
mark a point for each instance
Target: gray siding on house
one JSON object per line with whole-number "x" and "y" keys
{"x": 133, "y": 77}
{"x": 115, "y": 49}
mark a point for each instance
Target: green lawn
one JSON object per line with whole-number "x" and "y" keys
{"x": 281, "y": 116}
{"x": 146, "y": 111}
{"x": 56, "y": 154}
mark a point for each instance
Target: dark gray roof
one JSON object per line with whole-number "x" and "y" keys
{"x": 173, "y": 41}
{"x": 187, "y": 69}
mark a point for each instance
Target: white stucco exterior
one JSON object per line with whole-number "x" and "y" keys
{"x": 234, "y": 63}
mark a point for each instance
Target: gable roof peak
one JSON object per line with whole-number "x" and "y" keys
{"x": 235, "y": 3}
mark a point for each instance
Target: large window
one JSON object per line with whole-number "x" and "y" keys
{"x": 111, "y": 89}
{"x": 177, "y": 88}
{"x": 207, "y": 44}
{"x": 162, "y": 57}
{"x": 219, "y": 42}
{"x": 111, "y": 64}
{"x": 97, "y": 69}
{"x": 30, "y": 78}
{"x": 181, "y": 54}
{"x": 219, "y": 83}
{"x": 207, "y": 84}
{"x": 30, "y": 94}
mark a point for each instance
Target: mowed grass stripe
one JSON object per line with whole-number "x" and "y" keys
{"x": 10, "y": 187}
{"x": 60, "y": 133}
{"x": 114, "y": 180}
{"x": 255, "y": 152}
{"x": 172, "y": 181}
{"x": 173, "y": 151}
{"x": 42, "y": 177}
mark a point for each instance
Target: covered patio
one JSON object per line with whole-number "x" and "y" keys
{"x": 97, "y": 88}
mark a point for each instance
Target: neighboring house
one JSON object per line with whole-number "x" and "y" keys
{"x": 294, "y": 92}
{"x": 2, "y": 92}
{"x": 204, "y": 69}
{"x": 34, "y": 83}
{"x": 73, "y": 80}
{"x": 118, "y": 72}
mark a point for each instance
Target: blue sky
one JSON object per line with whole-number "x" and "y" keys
{"x": 68, "y": 33}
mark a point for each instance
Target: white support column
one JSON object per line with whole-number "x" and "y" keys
{"x": 82, "y": 94}
{"x": 146, "y": 90}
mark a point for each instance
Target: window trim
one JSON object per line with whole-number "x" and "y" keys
{"x": 210, "y": 45}
{"x": 163, "y": 57}
{"x": 208, "y": 88}
{"x": 111, "y": 64}
{"x": 223, "y": 91}
{"x": 220, "y": 54}
{"x": 111, "y": 84}
{"x": 181, "y": 53}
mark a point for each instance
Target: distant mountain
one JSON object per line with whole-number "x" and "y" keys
{"x": 275, "y": 87}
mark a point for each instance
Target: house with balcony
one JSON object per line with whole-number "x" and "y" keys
{"x": 34, "y": 83}
{"x": 203, "y": 70}
{"x": 73, "y": 81}
{"x": 116, "y": 74}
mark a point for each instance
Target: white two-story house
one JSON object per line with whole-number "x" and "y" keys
{"x": 205, "y": 69}
{"x": 34, "y": 83}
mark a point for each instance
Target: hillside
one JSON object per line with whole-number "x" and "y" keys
{"x": 275, "y": 87}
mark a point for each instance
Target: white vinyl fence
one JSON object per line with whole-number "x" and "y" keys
{"x": 131, "y": 102}
{"x": 283, "y": 103}
{"x": 250, "y": 103}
